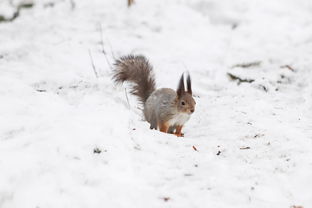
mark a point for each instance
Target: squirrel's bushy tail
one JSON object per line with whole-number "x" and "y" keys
{"x": 135, "y": 69}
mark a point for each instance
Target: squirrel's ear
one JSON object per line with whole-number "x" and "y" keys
{"x": 181, "y": 89}
{"x": 189, "y": 85}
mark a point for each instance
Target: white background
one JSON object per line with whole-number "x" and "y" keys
{"x": 54, "y": 111}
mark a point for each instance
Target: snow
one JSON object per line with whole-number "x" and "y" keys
{"x": 246, "y": 145}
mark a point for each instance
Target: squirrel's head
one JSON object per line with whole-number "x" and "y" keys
{"x": 186, "y": 102}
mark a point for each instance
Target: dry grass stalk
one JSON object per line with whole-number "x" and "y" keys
{"x": 130, "y": 2}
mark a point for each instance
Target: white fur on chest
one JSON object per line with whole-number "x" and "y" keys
{"x": 179, "y": 119}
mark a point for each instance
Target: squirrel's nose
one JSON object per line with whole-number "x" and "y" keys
{"x": 192, "y": 110}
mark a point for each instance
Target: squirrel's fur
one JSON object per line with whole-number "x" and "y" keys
{"x": 165, "y": 109}
{"x": 136, "y": 69}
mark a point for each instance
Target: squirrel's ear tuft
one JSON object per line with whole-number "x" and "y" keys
{"x": 181, "y": 88}
{"x": 189, "y": 84}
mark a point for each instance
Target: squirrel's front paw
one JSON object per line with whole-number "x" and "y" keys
{"x": 179, "y": 134}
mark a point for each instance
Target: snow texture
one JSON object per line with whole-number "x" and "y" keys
{"x": 70, "y": 138}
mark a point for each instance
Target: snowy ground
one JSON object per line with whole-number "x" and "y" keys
{"x": 253, "y": 140}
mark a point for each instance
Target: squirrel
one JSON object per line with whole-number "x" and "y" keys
{"x": 165, "y": 109}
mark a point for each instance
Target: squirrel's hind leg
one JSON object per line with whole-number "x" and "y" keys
{"x": 153, "y": 122}
{"x": 153, "y": 126}
{"x": 163, "y": 127}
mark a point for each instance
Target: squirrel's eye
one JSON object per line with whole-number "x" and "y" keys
{"x": 183, "y": 103}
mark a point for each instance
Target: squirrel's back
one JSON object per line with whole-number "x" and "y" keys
{"x": 161, "y": 105}
{"x": 137, "y": 70}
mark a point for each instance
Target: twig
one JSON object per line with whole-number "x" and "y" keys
{"x": 264, "y": 88}
{"x": 288, "y": 67}
{"x": 72, "y": 4}
{"x": 240, "y": 80}
{"x": 93, "y": 66}
{"x": 244, "y": 148}
{"x": 103, "y": 50}
{"x": 102, "y": 41}
{"x": 247, "y": 65}
{"x": 136, "y": 145}
{"x": 111, "y": 48}
{"x": 194, "y": 148}
{"x": 127, "y": 98}
{"x": 130, "y": 2}
{"x": 17, "y": 12}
